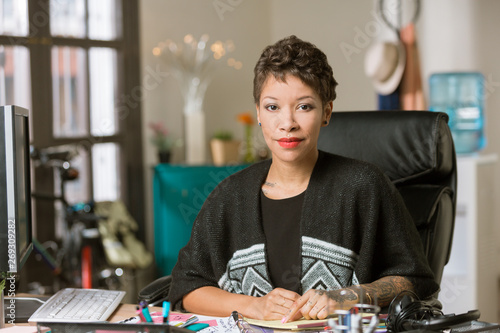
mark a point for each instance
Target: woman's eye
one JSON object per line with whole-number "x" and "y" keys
{"x": 305, "y": 107}
{"x": 272, "y": 107}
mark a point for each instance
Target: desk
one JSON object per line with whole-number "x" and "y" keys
{"x": 124, "y": 311}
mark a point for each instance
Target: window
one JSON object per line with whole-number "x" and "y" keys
{"x": 65, "y": 61}
{"x": 14, "y": 59}
{"x": 15, "y": 80}
{"x": 69, "y": 92}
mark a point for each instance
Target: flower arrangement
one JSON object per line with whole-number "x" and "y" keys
{"x": 160, "y": 138}
{"x": 248, "y": 121}
{"x": 192, "y": 62}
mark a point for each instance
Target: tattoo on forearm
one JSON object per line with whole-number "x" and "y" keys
{"x": 385, "y": 289}
{"x": 343, "y": 295}
{"x": 381, "y": 291}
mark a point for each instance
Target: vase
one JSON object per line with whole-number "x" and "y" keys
{"x": 225, "y": 152}
{"x": 196, "y": 143}
{"x": 194, "y": 119}
{"x": 164, "y": 156}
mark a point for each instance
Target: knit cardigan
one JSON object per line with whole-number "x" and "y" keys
{"x": 354, "y": 229}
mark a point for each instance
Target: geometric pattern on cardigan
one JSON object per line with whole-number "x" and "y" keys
{"x": 327, "y": 266}
{"x": 246, "y": 272}
{"x": 324, "y": 266}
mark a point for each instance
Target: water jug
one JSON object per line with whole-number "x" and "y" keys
{"x": 461, "y": 96}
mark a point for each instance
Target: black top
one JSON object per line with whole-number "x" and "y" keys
{"x": 354, "y": 229}
{"x": 281, "y": 223}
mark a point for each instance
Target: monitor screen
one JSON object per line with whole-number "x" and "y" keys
{"x": 15, "y": 189}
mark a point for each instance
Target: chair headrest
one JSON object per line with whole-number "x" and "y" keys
{"x": 409, "y": 146}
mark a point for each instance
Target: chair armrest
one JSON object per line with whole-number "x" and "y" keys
{"x": 157, "y": 291}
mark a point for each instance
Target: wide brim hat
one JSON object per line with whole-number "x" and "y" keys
{"x": 385, "y": 63}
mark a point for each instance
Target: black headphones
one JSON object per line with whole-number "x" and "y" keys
{"x": 407, "y": 312}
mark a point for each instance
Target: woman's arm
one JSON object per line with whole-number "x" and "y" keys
{"x": 212, "y": 301}
{"x": 381, "y": 291}
{"x": 318, "y": 304}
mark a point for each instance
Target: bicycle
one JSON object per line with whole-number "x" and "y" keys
{"x": 78, "y": 259}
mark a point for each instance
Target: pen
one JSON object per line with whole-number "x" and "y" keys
{"x": 189, "y": 321}
{"x": 166, "y": 309}
{"x": 145, "y": 312}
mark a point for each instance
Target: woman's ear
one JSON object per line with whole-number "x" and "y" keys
{"x": 258, "y": 113}
{"x": 327, "y": 113}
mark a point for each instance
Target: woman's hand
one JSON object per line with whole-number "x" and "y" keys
{"x": 272, "y": 306}
{"x": 318, "y": 304}
{"x": 312, "y": 305}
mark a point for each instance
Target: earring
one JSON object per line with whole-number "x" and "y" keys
{"x": 325, "y": 122}
{"x": 260, "y": 124}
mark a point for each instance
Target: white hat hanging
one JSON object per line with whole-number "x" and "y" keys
{"x": 384, "y": 64}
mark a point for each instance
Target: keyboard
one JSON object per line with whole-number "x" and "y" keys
{"x": 78, "y": 305}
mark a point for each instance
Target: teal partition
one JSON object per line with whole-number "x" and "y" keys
{"x": 179, "y": 191}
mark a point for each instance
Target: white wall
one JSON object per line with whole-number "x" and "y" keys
{"x": 453, "y": 35}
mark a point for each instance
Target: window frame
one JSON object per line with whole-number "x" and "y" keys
{"x": 39, "y": 43}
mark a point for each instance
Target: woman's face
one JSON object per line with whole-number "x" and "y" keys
{"x": 291, "y": 115}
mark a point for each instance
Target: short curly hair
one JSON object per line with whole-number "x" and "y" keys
{"x": 299, "y": 58}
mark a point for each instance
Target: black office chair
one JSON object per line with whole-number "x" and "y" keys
{"x": 415, "y": 150}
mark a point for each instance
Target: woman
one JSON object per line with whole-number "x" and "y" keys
{"x": 273, "y": 237}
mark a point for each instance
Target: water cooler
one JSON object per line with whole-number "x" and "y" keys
{"x": 461, "y": 96}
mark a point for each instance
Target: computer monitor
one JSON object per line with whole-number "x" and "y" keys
{"x": 15, "y": 189}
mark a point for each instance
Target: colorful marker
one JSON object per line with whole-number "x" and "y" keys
{"x": 147, "y": 315}
{"x": 139, "y": 313}
{"x": 166, "y": 310}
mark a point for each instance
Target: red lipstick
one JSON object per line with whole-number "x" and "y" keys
{"x": 289, "y": 142}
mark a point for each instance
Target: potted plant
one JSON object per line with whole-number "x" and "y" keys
{"x": 225, "y": 150}
{"x": 161, "y": 141}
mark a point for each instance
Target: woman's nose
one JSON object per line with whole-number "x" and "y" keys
{"x": 287, "y": 121}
